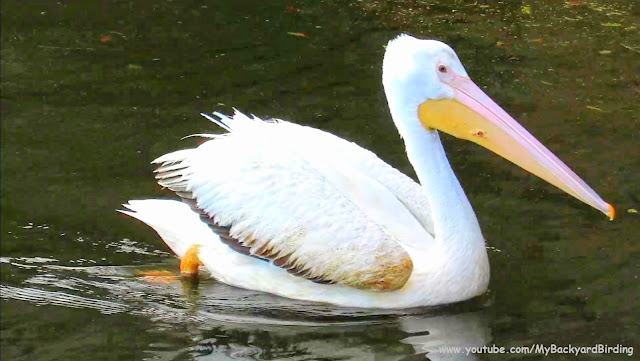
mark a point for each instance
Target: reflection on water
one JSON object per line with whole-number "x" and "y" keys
{"x": 93, "y": 91}
{"x": 227, "y": 321}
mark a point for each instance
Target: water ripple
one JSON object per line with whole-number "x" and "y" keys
{"x": 41, "y": 297}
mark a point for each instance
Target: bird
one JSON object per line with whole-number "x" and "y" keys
{"x": 301, "y": 213}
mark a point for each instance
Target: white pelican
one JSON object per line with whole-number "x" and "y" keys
{"x": 298, "y": 212}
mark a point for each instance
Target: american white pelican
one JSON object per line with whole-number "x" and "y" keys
{"x": 298, "y": 212}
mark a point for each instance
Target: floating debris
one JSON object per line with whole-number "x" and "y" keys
{"x": 595, "y": 108}
{"x": 300, "y": 35}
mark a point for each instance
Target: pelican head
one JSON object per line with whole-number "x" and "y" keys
{"x": 428, "y": 89}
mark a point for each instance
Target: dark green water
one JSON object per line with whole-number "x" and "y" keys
{"x": 93, "y": 91}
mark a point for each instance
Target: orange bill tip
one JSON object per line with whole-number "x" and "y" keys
{"x": 612, "y": 212}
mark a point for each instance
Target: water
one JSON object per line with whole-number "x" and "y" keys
{"x": 92, "y": 92}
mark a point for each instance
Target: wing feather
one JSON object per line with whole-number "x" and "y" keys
{"x": 271, "y": 193}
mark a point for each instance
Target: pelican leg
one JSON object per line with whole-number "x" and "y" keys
{"x": 190, "y": 262}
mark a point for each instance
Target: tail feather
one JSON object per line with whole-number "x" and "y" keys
{"x": 174, "y": 221}
{"x": 177, "y": 224}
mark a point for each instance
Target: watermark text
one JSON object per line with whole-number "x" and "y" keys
{"x": 540, "y": 349}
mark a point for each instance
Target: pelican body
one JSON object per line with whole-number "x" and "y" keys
{"x": 301, "y": 213}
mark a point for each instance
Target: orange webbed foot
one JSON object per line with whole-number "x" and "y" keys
{"x": 190, "y": 262}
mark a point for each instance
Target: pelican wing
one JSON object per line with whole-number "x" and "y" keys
{"x": 314, "y": 142}
{"x": 268, "y": 192}
{"x": 323, "y": 147}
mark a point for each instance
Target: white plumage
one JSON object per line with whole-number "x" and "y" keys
{"x": 301, "y": 213}
{"x": 336, "y": 207}
{"x": 301, "y": 198}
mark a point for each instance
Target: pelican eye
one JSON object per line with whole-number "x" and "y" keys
{"x": 442, "y": 68}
